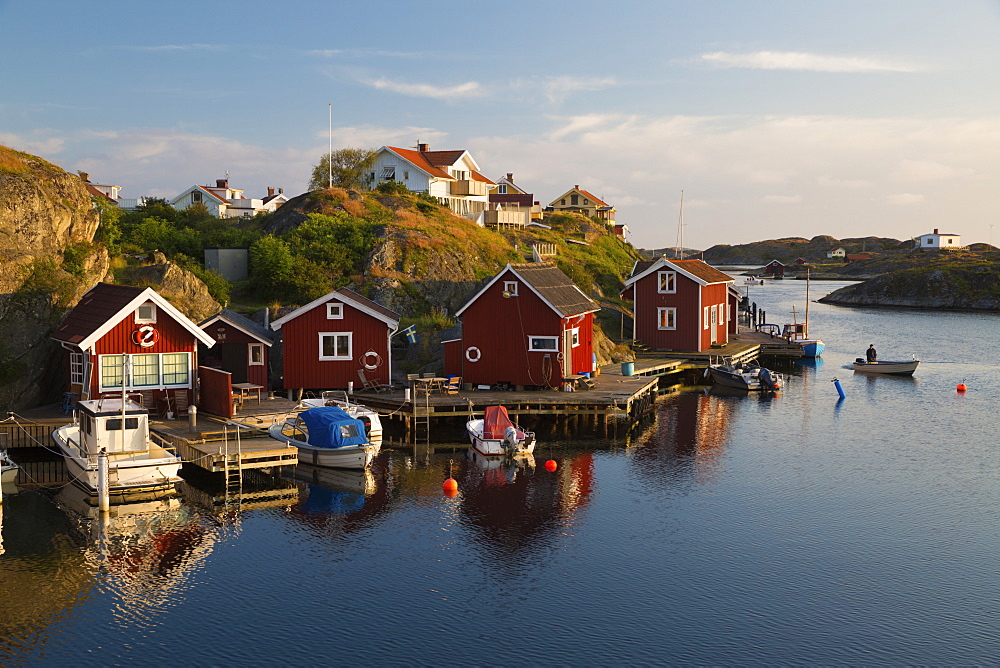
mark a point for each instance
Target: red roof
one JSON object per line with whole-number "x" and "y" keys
{"x": 596, "y": 200}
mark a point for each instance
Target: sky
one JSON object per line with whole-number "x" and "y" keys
{"x": 775, "y": 119}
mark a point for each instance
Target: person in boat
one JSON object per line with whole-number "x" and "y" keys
{"x": 871, "y": 355}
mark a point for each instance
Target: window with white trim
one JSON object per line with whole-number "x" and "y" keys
{"x": 502, "y": 189}
{"x": 145, "y": 371}
{"x": 335, "y": 346}
{"x": 76, "y": 368}
{"x": 546, "y": 344}
{"x": 576, "y": 336}
{"x": 148, "y": 371}
{"x": 666, "y": 317}
{"x": 176, "y": 369}
{"x": 705, "y": 318}
{"x": 715, "y": 314}
{"x": 722, "y": 314}
{"x": 510, "y": 287}
{"x": 389, "y": 173}
{"x": 334, "y": 311}
{"x": 666, "y": 282}
{"x": 255, "y": 354}
{"x": 146, "y": 313}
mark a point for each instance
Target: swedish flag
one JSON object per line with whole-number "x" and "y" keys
{"x": 411, "y": 333}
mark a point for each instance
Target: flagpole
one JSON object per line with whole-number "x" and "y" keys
{"x": 329, "y": 158}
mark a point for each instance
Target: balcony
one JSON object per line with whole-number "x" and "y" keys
{"x": 504, "y": 219}
{"x": 468, "y": 187}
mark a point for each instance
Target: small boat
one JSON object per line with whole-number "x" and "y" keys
{"x": 892, "y": 368}
{"x": 327, "y": 436}
{"x": 340, "y": 399}
{"x": 138, "y": 461}
{"x": 745, "y": 376}
{"x": 496, "y": 435}
{"x": 8, "y": 469}
{"x": 796, "y": 333}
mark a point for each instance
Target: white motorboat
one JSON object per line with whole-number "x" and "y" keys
{"x": 8, "y": 469}
{"x": 893, "y": 368}
{"x": 340, "y": 399}
{"x": 496, "y": 435}
{"x": 327, "y": 436}
{"x": 749, "y": 377}
{"x": 138, "y": 461}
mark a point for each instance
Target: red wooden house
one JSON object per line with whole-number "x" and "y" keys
{"x": 530, "y": 325}
{"x": 160, "y": 344}
{"x": 774, "y": 269}
{"x": 242, "y": 347}
{"x": 327, "y": 341}
{"x": 679, "y": 304}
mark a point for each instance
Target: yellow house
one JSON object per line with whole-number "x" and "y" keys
{"x": 580, "y": 201}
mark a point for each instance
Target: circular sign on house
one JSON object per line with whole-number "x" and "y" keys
{"x": 145, "y": 336}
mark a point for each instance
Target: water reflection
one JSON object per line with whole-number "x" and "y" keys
{"x": 339, "y": 501}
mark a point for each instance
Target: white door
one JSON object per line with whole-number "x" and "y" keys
{"x": 567, "y": 352}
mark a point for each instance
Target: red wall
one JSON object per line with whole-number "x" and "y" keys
{"x": 689, "y": 301}
{"x": 499, "y": 327}
{"x": 216, "y": 391}
{"x": 233, "y": 351}
{"x": 302, "y": 366}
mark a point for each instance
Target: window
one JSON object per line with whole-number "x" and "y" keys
{"x": 76, "y": 368}
{"x": 176, "y": 369}
{"x": 576, "y": 336}
{"x": 666, "y": 317}
{"x": 145, "y": 371}
{"x": 586, "y": 201}
{"x": 562, "y": 202}
{"x": 334, "y": 311}
{"x": 666, "y": 282}
{"x": 510, "y": 287}
{"x": 574, "y": 199}
{"x": 722, "y": 314}
{"x": 502, "y": 189}
{"x": 146, "y": 313}
{"x": 195, "y": 197}
{"x": 256, "y": 354}
{"x": 705, "y": 318}
{"x": 406, "y": 175}
{"x": 111, "y": 371}
{"x": 115, "y": 424}
{"x": 715, "y": 315}
{"x": 389, "y": 173}
{"x": 335, "y": 345}
{"x": 543, "y": 343}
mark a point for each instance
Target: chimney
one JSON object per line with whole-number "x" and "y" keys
{"x": 281, "y": 191}
{"x": 221, "y": 183}
{"x": 422, "y": 147}
{"x": 85, "y": 177}
{"x": 935, "y": 230}
{"x": 270, "y": 191}
{"x": 510, "y": 176}
{"x": 577, "y": 186}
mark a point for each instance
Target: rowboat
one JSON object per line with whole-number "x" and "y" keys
{"x": 893, "y": 368}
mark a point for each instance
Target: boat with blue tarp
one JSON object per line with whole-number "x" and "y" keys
{"x": 327, "y": 436}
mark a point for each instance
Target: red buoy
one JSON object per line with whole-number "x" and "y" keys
{"x": 450, "y": 493}
{"x": 961, "y": 387}
{"x": 551, "y": 465}
{"x": 450, "y": 485}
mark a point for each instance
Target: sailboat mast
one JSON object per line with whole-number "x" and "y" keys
{"x": 807, "y": 304}
{"x": 678, "y": 248}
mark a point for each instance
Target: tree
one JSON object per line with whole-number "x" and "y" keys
{"x": 352, "y": 168}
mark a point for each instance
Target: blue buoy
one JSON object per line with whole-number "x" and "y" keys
{"x": 840, "y": 388}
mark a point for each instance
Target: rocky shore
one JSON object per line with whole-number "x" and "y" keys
{"x": 974, "y": 288}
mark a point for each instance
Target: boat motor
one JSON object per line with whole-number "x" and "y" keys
{"x": 510, "y": 437}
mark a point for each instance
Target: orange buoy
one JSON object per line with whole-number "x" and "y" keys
{"x": 961, "y": 387}
{"x": 551, "y": 465}
{"x": 450, "y": 485}
{"x": 450, "y": 493}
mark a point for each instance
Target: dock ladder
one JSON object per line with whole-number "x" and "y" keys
{"x": 422, "y": 420}
{"x": 233, "y": 468}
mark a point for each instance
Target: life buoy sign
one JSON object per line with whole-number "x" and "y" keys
{"x": 473, "y": 354}
{"x": 371, "y": 360}
{"x": 145, "y": 336}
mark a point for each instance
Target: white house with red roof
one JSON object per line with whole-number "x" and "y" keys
{"x": 939, "y": 241}
{"x": 225, "y": 202}
{"x": 453, "y": 177}
{"x": 578, "y": 200}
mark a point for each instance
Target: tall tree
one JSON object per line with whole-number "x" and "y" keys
{"x": 351, "y": 168}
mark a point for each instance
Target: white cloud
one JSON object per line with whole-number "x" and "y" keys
{"x": 797, "y": 61}
{"x": 781, "y": 199}
{"x": 557, "y": 88}
{"x": 904, "y": 199}
{"x": 41, "y": 143}
{"x": 831, "y": 182}
{"x": 467, "y": 89}
{"x": 927, "y": 170}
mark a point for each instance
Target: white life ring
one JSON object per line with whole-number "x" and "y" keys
{"x": 473, "y": 354}
{"x": 375, "y": 362}
{"x": 559, "y": 356}
{"x": 145, "y": 336}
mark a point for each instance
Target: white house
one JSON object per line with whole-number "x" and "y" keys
{"x": 226, "y": 202}
{"x": 836, "y": 252}
{"x": 452, "y": 177}
{"x": 937, "y": 241}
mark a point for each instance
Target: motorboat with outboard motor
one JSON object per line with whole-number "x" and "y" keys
{"x": 496, "y": 435}
{"x": 327, "y": 436}
{"x": 745, "y": 376}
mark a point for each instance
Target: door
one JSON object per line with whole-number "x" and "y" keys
{"x": 567, "y": 353}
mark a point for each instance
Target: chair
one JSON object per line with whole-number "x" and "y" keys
{"x": 180, "y": 403}
{"x": 451, "y": 387}
{"x": 371, "y": 384}
{"x": 410, "y": 377}
{"x": 430, "y": 375}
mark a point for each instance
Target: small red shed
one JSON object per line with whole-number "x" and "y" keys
{"x": 529, "y": 326}
{"x": 241, "y": 347}
{"x": 680, "y": 304}
{"x": 774, "y": 269}
{"x": 160, "y": 344}
{"x": 326, "y": 342}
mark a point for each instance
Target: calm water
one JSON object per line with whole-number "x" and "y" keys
{"x": 732, "y": 530}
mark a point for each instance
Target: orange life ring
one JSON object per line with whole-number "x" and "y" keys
{"x": 145, "y": 336}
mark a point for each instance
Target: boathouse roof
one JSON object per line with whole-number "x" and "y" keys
{"x": 349, "y": 297}
{"x": 242, "y": 323}
{"x": 697, "y": 270}
{"x": 550, "y": 284}
{"x": 105, "y": 305}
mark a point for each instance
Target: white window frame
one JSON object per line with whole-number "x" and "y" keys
{"x": 722, "y": 314}
{"x": 159, "y": 385}
{"x": 670, "y": 279}
{"x": 510, "y": 287}
{"x": 76, "y": 368}
{"x": 576, "y": 336}
{"x": 334, "y": 311}
{"x": 389, "y": 173}
{"x": 533, "y": 340}
{"x": 337, "y": 358}
{"x": 251, "y": 347}
{"x": 671, "y": 317}
{"x": 502, "y": 189}
{"x": 705, "y": 317}
{"x": 147, "y": 319}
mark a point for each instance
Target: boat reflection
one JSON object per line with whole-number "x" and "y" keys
{"x": 336, "y": 502}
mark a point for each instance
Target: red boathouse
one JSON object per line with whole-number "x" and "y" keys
{"x": 330, "y": 339}
{"x": 242, "y": 347}
{"x": 680, "y": 304}
{"x": 159, "y": 342}
{"x": 529, "y": 326}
